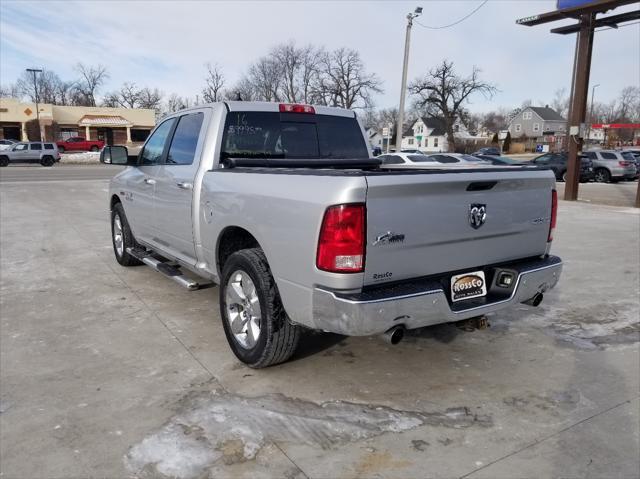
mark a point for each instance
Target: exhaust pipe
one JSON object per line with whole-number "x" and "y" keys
{"x": 394, "y": 335}
{"x": 535, "y": 301}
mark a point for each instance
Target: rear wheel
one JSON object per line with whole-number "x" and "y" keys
{"x": 47, "y": 161}
{"x": 4, "y": 161}
{"x": 95, "y": 148}
{"x": 565, "y": 175}
{"x": 602, "y": 175}
{"x": 61, "y": 149}
{"x": 255, "y": 323}
{"x": 122, "y": 237}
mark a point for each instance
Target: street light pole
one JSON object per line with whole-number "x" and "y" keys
{"x": 593, "y": 92}
{"x": 34, "y": 71}
{"x": 403, "y": 87}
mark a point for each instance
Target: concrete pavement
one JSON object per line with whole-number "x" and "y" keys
{"x": 117, "y": 372}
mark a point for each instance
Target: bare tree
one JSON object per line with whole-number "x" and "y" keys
{"x": 266, "y": 79}
{"x": 91, "y": 79}
{"x": 212, "y": 92}
{"x": 494, "y": 121}
{"x": 629, "y": 104}
{"x": 47, "y": 83}
{"x": 151, "y": 99}
{"x": 560, "y": 102}
{"x": 343, "y": 80}
{"x": 9, "y": 91}
{"x": 443, "y": 93}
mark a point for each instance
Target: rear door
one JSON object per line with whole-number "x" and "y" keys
{"x": 35, "y": 149}
{"x": 421, "y": 224}
{"x": 175, "y": 188}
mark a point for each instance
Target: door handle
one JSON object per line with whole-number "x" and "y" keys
{"x": 150, "y": 181}
{"x": 184, "y": 185}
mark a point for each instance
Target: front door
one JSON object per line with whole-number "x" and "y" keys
{"x": 175, "y": 189}
{"x": 138, "y": 199}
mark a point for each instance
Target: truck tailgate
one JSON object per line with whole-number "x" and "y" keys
{"x": 419, "y": 224}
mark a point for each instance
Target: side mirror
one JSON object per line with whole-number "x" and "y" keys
{"x": 117, "y": 155}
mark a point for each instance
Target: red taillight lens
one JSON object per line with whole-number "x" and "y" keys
{"x": 623, "y": 163}
{"x": 342, "y": 239}
{"x": 295, "y": 108}
{"x": 554, "y": 214}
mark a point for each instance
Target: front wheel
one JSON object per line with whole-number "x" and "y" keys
{"x": 122, "y": 237}
{"x": 602, "y": 176}
{"x": 254, "y": 320}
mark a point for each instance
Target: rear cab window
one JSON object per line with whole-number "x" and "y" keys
{"x": 274, "y": 135}
{"x": 48, "y": 146}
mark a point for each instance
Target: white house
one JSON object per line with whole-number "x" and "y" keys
{"x": 430, "y": 135}
{"x": 375, "y": 138}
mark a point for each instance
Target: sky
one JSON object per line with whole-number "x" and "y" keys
{"x": 165, "y": 44}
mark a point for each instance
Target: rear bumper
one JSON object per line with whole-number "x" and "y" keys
{"x": 426, "y": 302}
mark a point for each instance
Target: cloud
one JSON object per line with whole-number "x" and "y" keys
{"x": 166, "y": 44}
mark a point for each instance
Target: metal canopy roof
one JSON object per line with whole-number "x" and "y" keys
{"x": 598, "y": 6}
{"x": 611, "y": 21}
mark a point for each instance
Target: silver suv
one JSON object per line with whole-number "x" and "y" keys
{"x": 609, "y": 165}
{"x": 45, "y": 153}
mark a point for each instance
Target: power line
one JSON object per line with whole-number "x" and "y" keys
{"x": 454, "y": 23}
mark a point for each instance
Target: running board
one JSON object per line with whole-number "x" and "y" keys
{"x": 171, "y": 272}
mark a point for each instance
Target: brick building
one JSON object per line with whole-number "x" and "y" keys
{"x": 115, "y": 126}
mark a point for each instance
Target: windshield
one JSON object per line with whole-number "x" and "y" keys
{"x": 273, "y": 135}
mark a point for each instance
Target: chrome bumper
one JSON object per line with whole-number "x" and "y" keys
{"x": 424, "y": 302}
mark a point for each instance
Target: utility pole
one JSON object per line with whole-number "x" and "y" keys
{"x": 403, "y": 86}
{"x": 593, "y": 93}
{"x": 34, "y": 71}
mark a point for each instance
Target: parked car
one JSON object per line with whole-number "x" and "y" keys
{"x": 501, "y": 160}
{"x": 6, "y": 144}
{"x": 557, "y": 162}
{"x": 489, "y": 150}
{"x": 301, "y": 228}
{"x": 77, "y": 143}
{"x": 635, "y": 159}
{"x": 609, "y": 165}
{"x": 415, "y": 152}
{"x": 46, "y": 154}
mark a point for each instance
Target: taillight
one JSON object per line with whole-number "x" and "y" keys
{"x": 341, "y": 245}
{"x": 296, "y": 108}
{"x": 623, "y": 163}
{"x": 554, "y": 214}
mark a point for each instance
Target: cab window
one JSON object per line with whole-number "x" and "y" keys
{"x": 35, "y": 146}
{"x": 185, "y": 140}
{"x": 20, "y": 147}
{"x": 153, "y": 149}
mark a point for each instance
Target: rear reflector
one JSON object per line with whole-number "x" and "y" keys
{"x": 554, "y": 214}
{"x": 296, "y": 108}
{"x": 342, "y": 239}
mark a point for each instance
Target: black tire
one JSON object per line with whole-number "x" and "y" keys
{"x": 128, "y": 241}
{"x": 47, "y": 161}
{"x": 277, "y": 338}
{"x": 94, "y": 148}
{"x": 602, "y": 175}
{"x": 61, "y": 149}
{"x": 4, "y": 161}
{"x": 565, "y": 175}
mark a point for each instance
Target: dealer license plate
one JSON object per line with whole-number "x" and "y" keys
{"x": 468, "y": 285}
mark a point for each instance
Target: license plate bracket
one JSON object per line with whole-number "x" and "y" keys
{"x": 468, "y": 285}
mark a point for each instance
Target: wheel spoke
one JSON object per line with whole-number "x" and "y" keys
{"x": 237, "y": 323}
{"x": 235, "y": 295}
{"x": 253, "y": 331}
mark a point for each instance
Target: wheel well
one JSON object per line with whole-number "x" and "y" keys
{"x": 233, "y": 239}
{"x": 114, "y": 201}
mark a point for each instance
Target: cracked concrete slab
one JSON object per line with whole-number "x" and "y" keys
{"x": 96, "y": 359}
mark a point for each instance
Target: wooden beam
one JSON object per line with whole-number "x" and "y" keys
{"x": 597, "y": 6}
{"x": 611, "y": 21}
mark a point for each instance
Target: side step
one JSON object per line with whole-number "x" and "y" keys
{"x": 171, "y": 272}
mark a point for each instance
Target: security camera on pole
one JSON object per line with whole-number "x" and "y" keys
{"x": 403, "y": 87}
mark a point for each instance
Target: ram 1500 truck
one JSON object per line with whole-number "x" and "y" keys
{"x": 282, "y": 206}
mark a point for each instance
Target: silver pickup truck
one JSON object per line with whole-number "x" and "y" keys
{"x": 282, "y": 206}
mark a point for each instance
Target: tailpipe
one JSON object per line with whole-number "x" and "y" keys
{"x": 536, "y": 300}
{"x": 394, "y": 335}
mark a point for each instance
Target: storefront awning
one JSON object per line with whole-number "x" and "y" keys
{"x": 103, "y": 120}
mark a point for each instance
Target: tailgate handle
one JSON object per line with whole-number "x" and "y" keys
{"x": 481, "y": 185}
